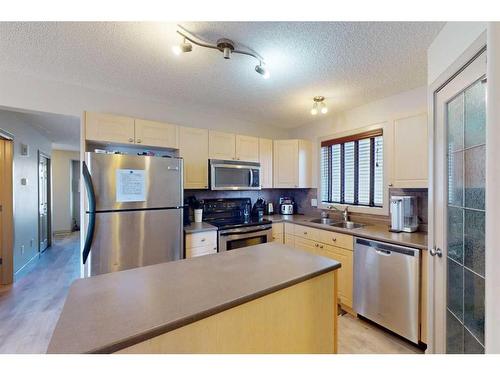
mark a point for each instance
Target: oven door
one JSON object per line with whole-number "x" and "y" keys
{"x": 229, "y": 175}
{"x": 231, "y": 239}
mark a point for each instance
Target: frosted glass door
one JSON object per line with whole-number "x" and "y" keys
{"x": 466, "y": 120}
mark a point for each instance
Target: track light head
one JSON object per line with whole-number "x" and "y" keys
{"x": 226, "y": 46}
{"x": 182, "y": 48}
{"x": 262, "y": 71}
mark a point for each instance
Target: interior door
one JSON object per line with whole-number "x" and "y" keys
{"x": 43, "y": 202}
{"x": 459, "y": 212}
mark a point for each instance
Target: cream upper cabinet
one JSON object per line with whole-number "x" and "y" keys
{"x": 247, "y": 148}
{"x": 292, "y": 167}
{"x": 266, "y": 162}
{"x": 221, "y": 145}
{"x": 410, "y": 152}
{"x": 109, "y": 128}
{"x": 158, "y": 134}
{"x": 193, "y": 147}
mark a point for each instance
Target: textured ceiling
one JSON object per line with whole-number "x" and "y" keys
{"x": 350, "y": 63}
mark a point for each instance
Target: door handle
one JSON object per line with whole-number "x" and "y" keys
{"x": 436, "y": 251}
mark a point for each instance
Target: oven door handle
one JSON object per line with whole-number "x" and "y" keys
{"x": 230, "y": 233}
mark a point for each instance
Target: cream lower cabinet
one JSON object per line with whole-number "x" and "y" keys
{"x": 292, "y": 164}
{"x": 200, "y": 243}
{"x": 193, "y": 148}
{"x": 345, "y": 275}
{"x": 156, "y": 134}
{"x": 337, "y": 246}
{"x": 278, "y": 232}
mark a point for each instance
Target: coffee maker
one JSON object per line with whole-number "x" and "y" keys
{"x": 404, "y": 214}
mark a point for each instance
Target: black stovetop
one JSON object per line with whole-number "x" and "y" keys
{"x": 226, "y": 213}
{"x": 229, "y": 223}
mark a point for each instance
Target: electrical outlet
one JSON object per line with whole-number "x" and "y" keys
{"x": 314, "y": 202}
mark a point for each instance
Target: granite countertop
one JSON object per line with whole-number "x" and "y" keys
{"x": 370, "y": 231}
{"x": 199, "y": 227}
{"x": 106, "y": 313}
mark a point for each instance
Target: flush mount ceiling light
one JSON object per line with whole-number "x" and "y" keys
{"x": 224, "y": 45}
{"x": 319, "y": 105}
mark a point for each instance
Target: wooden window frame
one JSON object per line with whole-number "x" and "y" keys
{"x": 372, "y": 134}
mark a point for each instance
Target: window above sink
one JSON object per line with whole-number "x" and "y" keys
{"x": 352, "y": 169}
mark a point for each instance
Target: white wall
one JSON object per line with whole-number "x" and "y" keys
{"x": 451, "y": 42}
{"x": 61, "y": 190}
{"x": 25, "y": 196}
{"x": 492, "y": 339}
{"x": 382, "y": 111}
{"x": 32, "y": 93}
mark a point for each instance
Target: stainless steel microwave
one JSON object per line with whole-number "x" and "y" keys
{"x": 234, "y": 175}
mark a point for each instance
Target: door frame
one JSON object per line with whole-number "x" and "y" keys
{"x": 41, "y": 154}
{"x": 474, "y": 50}
{"x": 7, "y": 229}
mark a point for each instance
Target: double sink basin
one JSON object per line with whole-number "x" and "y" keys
{"x": 337, "y": 224}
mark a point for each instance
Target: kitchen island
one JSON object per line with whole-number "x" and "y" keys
{"x": 266, "y": 298}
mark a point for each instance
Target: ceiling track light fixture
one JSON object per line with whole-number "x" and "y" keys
{"x": 224, "y": 45}
{"x": 319, "y": 106}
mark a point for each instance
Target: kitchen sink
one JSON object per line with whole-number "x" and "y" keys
{"x": 347, "y": 225}
{"x": 322, "y": 221}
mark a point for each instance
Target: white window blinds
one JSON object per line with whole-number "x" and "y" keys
{"x": 352, "y": 170}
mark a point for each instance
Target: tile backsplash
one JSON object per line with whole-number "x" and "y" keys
{"x": 303, "y": 198}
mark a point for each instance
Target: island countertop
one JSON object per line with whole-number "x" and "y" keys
{"x": 106, "y": 313}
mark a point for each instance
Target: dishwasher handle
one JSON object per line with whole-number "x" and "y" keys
{"x": 387, "y": 249}
{"x": 385, "y": 253}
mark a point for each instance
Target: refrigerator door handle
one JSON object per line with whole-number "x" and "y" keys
{"x": 92, "y": 205}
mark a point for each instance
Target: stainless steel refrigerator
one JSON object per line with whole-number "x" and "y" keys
{"x": 135, "y": 211}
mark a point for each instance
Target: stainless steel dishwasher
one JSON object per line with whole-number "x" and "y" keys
{"x": 387, "y": 286}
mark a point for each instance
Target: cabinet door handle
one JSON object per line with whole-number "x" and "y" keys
{"x": 320, "y": 246}
{"x": 316, "y": 245}
{"x": 131, "y": 140}
{"x": 334, "y": 239}
{"x": 203, "y": 240}
{"x": 305, "y": 233}
{"x": 139, "y": 140}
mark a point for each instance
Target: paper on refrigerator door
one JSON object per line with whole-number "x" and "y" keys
{"x": 130, "y": 185}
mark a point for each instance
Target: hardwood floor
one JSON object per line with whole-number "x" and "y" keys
{"x": 30, "y": 308}
{"x": 357, "y": 336}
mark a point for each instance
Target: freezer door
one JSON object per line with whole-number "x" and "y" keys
{"x": 158, "y": 182}
{"x": 129, "y": 239}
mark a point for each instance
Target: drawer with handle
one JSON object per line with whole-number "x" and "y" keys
{"x": 307, "y": 232}
{"x": 342, "y": 240}
{"x": 201, "y": 239}
{"x": 199, "y": 251}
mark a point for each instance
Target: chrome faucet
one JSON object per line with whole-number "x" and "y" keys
{"x": 345, "y": 213}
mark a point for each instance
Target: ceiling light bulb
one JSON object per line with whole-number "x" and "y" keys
{"x": 176, "y": 50}
{"x": 314, "y": 109}
{"x": 324, "y": 110}
{"x": 262, "y": 71}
